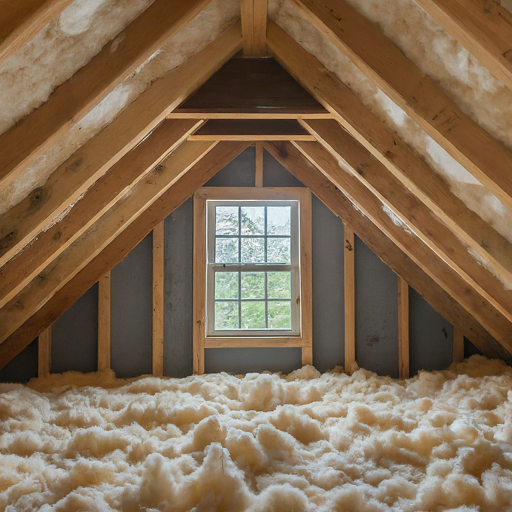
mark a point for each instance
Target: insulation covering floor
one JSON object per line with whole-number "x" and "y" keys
{"x": 263, "y": 442}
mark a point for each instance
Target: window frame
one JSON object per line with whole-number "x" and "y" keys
{"x": 302, "y": 337}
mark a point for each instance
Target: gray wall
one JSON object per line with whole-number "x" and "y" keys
{"x": 74, "y": 344}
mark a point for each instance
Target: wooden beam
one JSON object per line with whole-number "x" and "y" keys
{"x": 260, "y": 27}
{"x": 350, "y": 299}
{"x": 490, "y": 317}
{"x": 240, "y": 114}
{"x": 42, "y": 288}
{"x": 124, "y": 175}
{"x": 403, "y": 328}
{"x": 104, "y": 309}
{"x": 94, "y": 158}
{"x": 458, "y": 344}
{"x": 70, "y": 102}
{"x": 391, "y": 151}
{"x": 258, "y": 175}
{"x": 418, "y": 95}
{"x": 247, "y": 17}
{"x": 23, "y": 19}
{"x": 409, "y": 211}
{"x": 158, "y": 299}
{"x": 252, "y": 130}
{"x": 44, "y": 354}
{"x": 386, "y": 249}
{"x": 483, "y": 27}
{"x": 119, "y": 248}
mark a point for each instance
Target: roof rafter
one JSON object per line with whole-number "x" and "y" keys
{"x": 418, "y": 95}
{"x": 44, "y": 286}
{"x": 122, "y": 177}
{"x": 483, "y": 27}
{"x": 25, "y": 220}
{"x": 291, "y": 158}
{"x": 71, "y": 101}
{"x": 116, "y": 250}
{"x": 391, "y": 151}
{"x": 23, "y": 19}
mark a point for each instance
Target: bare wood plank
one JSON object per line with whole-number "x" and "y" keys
{"x": 483, "y": 27}
{"x": 247, "y": 16}
{"x": 119, "y": 248}
{"x": 260, "y": 27}
{"x": 124, "y": 175}
{"x": 386, "y": 249}
{"x": 23, "y": 19}
{"x": 403, "y": 329}
{"x": 254, "y": 343}
{"x": 253, "y": 138}
{"x": 104, "y": 309}
{"x": 418, "y": 95}
{"x": 411, "y": 212}
{"x": 44, "y": 355}
{"x": 306, "y": 276}
{"x": 241, "y": 114}
{"x": 391, "y": 151}
{"x": 350, "y": 299}
{"x": 95, "y": 157}
{"x": 458, "y": 344}
{"x": 158, "y": 299}
{"x": 99, "y": 235}
{"x": 29, "y": 138}
{"x": 258, "y": 176}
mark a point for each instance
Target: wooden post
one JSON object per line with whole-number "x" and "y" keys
{"x": 458, "y": 344}
{"x": 258, "y": 177}
{"x": 350, "y": 300}
{"x": 104, "y": 301}
{"x": 158, "y": 299}
{"x": 44, "y": 357}
{"x": 403, "y": 328}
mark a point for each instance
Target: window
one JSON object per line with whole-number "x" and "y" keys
{"x": 252, "y": 269}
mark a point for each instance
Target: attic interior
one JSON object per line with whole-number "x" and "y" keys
{"x": 256, "y": 255}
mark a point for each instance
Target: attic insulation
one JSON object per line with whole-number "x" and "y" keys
{"x": 262, "y": 442}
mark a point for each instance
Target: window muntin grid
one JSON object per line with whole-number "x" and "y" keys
{"x": 271, "y": 230}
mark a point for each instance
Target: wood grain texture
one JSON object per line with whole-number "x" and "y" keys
{"x": 158, "y": 300}
{"x": 247, "y": 18}
{"x": 33, "y": 296}
{"x": 44, "y": 354}
{"x": 385, "y": 248}
{"x": 70, "y": 180}
{"x": 260, "y": 27}
{"x": 483, "y": 27}
{"x": 119, "y": 248}
{"x": 21, "y": 20}
{"x": 390, "y": 150}
{"x": 403, "y": 329}
{"x": 488, "y": 159}
{"x": 458, "y": 344}
{"x": 123, "y": 176}
{"x": 306, "y": 276}
{"x": 104, "y": 321}
{"x": 350, "y": 298}
{"x": 71, "y": 101}
{"x": 258, "y": 174}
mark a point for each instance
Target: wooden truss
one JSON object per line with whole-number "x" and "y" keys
{"x": 100, "y": 203}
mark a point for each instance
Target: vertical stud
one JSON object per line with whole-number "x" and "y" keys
{"x": 260, "y": 27}
{"x": 258, "y": 178}
{"x": 104, "y": 308}
{"x": 403, "y": 328}
{"x": 158, "y": 299}
{"x": 247, "y": 15}
{"x": 350, "y": 300}
{"x": 458, "y": 344}
{"x": 44, "y": 357}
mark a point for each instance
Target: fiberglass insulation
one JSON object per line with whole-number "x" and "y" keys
{"x": 332, "y": 442}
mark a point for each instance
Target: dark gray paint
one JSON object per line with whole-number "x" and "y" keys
{"x": 77, "y": 329}
{"x": 132, "y": 310}
{"x": 376, "y": 306}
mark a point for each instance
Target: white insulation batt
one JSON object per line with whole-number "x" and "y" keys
{"x": 263, "y": 442}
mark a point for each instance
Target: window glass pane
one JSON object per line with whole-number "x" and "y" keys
{"x": 226, "y": 315}
{"x": 279, "y": 315}
{"x": 253, "y": 250}
{"x": 253, "y": 315}
{"x": 278, "y": 250}
{"x": 253, "y": 285}
{"x": 279, "y": 285}
{"x": 226, "y": 285}
{"x": 279, "y": 220}
{"x": 226, "y": 250}
{"x": 226, "y": 220}
{"x": 253, "y": 220}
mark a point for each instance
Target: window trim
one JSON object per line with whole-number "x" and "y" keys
{"x": 303, "y": 338}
